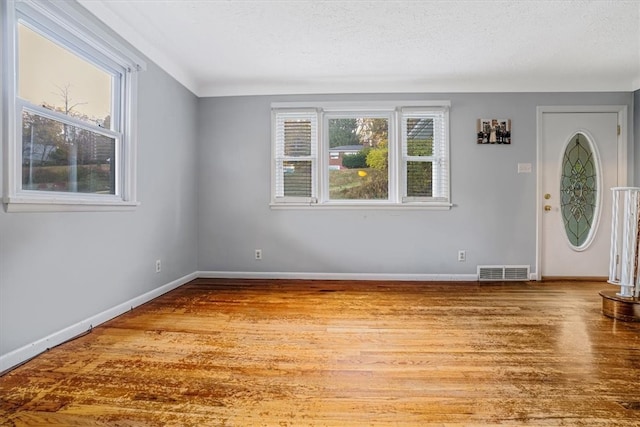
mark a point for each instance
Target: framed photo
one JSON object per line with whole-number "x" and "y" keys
{"x": 493, "y": 131}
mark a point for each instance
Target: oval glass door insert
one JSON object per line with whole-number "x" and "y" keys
{"x": 579, "y": 191}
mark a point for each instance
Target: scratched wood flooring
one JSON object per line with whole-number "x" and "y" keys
{"x": 328, "y": 353}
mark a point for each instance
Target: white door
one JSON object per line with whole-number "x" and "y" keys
{"x": 578, "y": 166}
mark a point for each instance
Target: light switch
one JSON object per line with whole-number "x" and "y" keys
{"x": 524, "y": 167}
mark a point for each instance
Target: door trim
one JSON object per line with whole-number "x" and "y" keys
{"x": 622, "y": 160}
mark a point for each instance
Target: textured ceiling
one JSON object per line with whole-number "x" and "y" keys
{"x": 235, "y": 47}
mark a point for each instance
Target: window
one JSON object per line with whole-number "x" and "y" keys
{"x": 69, "y": 109}
{"x": 425, "y": 155}
{"x": 361, "y": 172}
{"x": 342, "y": 155}
{"x": 295, "y": 156}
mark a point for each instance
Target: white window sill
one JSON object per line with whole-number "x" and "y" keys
{"x": 18, "y": 204}
{"x": 383, "y": 206}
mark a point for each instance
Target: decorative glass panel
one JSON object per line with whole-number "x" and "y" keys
{"x": 579, "y": 190}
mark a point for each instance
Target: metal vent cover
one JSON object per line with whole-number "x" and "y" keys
{"x": 503, "y": 272}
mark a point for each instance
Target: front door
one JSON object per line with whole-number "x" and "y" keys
{"x": 578, "y": 166}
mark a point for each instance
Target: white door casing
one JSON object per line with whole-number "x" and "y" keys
{"x": 556, "y": 126}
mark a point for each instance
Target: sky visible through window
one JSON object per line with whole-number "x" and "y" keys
{"x": 46, "y": 70}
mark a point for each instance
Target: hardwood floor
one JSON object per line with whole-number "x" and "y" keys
{"x": 325, "y": 353}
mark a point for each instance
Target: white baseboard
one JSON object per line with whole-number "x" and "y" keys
{"x": 22, "y": 354}
{"x": 337, "y": 276}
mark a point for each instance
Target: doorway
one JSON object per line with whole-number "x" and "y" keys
{"x": 581, "y": 155}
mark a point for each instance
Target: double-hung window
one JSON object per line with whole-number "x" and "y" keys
{"x": 70, "y": 99}
{"x": 425, "y": 155}
{"x": 368, "y": 154}
{"x": 295, "y": 156}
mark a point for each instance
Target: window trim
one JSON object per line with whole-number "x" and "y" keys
{"x": 323, "y": 171}
{"x": 397, "y": 166}
{"x": 411, "y": 112}
{"x": 68, "y": 24}
{"x": 313, "y": 156}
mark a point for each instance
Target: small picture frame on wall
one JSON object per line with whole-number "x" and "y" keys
{"x": 493, "y": 131}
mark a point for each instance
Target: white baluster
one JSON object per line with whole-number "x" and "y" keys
{"x": 624, "y": 269}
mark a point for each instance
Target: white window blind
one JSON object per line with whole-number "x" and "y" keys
{"x": 425, "y": 155}
{"x": 296, "y": 147}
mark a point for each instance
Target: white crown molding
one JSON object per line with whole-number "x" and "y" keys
{"x": 240, "y": 88}
{"x": 105, "y": 14}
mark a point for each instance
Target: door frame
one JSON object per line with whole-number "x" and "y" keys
{"x": 622, "y": 160}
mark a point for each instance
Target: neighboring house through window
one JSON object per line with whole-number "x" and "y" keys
{"x": 338, "y": 154}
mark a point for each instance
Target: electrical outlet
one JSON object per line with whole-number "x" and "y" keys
{"x": 258, "y": 254}
{"x": 158, "y": 266}
{"x": 462, "y": 256}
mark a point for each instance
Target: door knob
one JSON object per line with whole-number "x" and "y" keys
{"x": 547, "y": 208}
{"x": 547, "y": 196}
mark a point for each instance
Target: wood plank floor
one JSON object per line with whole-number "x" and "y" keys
{"x": 325, "y": 353}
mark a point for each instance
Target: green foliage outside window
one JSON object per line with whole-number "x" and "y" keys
{"x": 354, "y": 161}
{"x": 343, "y": 132}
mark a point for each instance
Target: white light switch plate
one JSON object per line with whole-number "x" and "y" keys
{"x": 524, "y": 167}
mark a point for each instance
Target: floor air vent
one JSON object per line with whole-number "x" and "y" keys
{"x": 503, "y": 272}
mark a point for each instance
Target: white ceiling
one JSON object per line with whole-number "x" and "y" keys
{"x": 248, "y": 47}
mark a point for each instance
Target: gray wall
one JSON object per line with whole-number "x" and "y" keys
{"x": 60, "y": 268}
{"x": 636, "y": 133}
{"x": 493, "y": 218}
